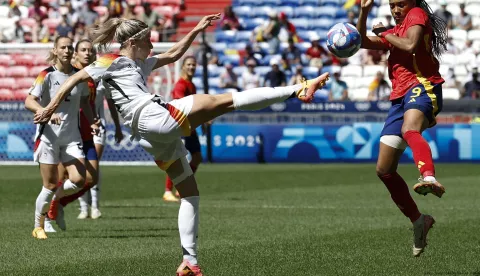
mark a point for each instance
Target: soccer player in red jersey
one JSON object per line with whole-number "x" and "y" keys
{"x": 185, "y": 87}
{"x": 414, "y": 44}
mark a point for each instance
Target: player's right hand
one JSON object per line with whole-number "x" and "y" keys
{"x": 366, "y": 4}
{"x": 42, "y": 116}
{"x": 207, "y": 21}
{"x": 56, "y": 119}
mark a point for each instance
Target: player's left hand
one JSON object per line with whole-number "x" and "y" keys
{"x": 378, "y": 29}
{"x": 207, "y": 21}
{"x": 42, "y": 116}
{"x": 96, "y": 130}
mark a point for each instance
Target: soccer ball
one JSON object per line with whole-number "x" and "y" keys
{"x": 343, "y": 40}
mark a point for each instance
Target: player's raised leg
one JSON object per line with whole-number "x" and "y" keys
{"x": 391, "y": 149}
{"x": 208, "y": 107}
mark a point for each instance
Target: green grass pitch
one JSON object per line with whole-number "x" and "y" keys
{"x": 332, "y": 219}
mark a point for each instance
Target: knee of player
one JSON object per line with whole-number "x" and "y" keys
{"x": 78, "y": 179}
{"x": 91, "y": 179}
{"x": 50, "y": 186}
{"x": 382, "y": 171}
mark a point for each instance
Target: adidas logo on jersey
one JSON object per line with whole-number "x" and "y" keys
{"x": 412, "y": 100}
{"x": 56, "y": 83}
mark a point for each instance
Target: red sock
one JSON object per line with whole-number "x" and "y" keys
{"x": 194, "y": 168}
{"x": 64, "y": 201}
{"x": 168, "y": 184}
{"x": 422, "y": 154}
{"x": 400, "y": 194}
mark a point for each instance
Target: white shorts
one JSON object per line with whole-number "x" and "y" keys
{"x": 46, "y": 153}
{"x": 100, "y": 139}
{"x": 160, "y": 128}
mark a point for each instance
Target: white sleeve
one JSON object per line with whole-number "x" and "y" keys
{"x": 41, "y": 84}
{"x": 101, "y": 88}
{"x": 101, "y": 68}
{"x": 147, "y": 65}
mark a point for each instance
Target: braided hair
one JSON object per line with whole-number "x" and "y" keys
{"x": 439, "y": 26}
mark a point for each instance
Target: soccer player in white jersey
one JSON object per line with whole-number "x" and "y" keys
{"x": 93, "y": 145}
{"x": 58, "y": 139}
{"x": 158, "y": 125}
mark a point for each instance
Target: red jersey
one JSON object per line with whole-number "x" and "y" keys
{"x": 407, "y": 70}
{"x": 183, "y": 88}
{"x": 85, "y": 129}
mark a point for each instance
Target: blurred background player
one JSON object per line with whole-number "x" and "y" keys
{"x": 185, "y": 87}
{"x": 414, "y": 44}
{"x": 59, "y": 139}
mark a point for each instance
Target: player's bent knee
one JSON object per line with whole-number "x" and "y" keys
{"x": 179, "y": 171}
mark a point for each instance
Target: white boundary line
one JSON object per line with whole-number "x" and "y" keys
{"x": 103, "y": 163}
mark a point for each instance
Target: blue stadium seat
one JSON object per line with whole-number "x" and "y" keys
{"x": 300, "y": 23}
{"x": 239, "y": 70}
{"x": 310, "y": 2}
{"x": 310, "y": 72}
{"x": 326, "y": 11}
{"x": 305, "y": 11}
{"x": 243, "y": 36}
{"x": 264, "y": 47}
{"x": 250, "y": 24}
{"x": 233, "y": 59}
{"x": 263, "y": 70}
{"x": 225, "y": 36}
{"x": 198, "y": 72}
{"x": 213, "y": 70}
{"x": 243, "y": 11}
{"x": 266, "y": 59}
{"x": 271, "y": 3}
{"x": 198, "y": 82}
{"x": 213, "y": 83}
{"x": 341, "y": 13}
{"x": 291, "y": 3}
{"x": 219, "y": 46}
{"x": 323, "y": 23}
{"x": 247, "y": 2}
{"x": 303, "y": 46}
{"x": 333, "y": 3}
{"x": 285, "y": 9}
{"x": 262, "y": 11}
{"x": 238, "y": 46}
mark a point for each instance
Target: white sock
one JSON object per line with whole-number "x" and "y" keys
{"x": 188, "y": 218}
{"x": 95, "y": 192}
{"x": 41, "y": 205}
{"x": 258, "y": 98}
{"x": 70, "y": 188}
{"x": 430, "y": 178}
{"x": 84, "y": 202}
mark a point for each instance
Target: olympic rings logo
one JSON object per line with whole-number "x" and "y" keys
{"x": 126, "y": 143}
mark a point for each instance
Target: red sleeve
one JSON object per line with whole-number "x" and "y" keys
{"x": 416, "y": 16}
{"x": 384, "y": 41}
{"x": 179, "y": 90}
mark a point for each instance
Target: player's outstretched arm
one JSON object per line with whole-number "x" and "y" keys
{"x": 177, "y": 50}
{"x": 43, "y": 115}
{"x": 368, "y": 42}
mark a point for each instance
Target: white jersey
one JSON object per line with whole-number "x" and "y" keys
{"x": 45, "y": 87}
{"x": 124, "y": 81}
{"x": 100, "y": 108}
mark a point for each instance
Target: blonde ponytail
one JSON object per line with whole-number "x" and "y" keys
{"x": 119, "y": 30}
